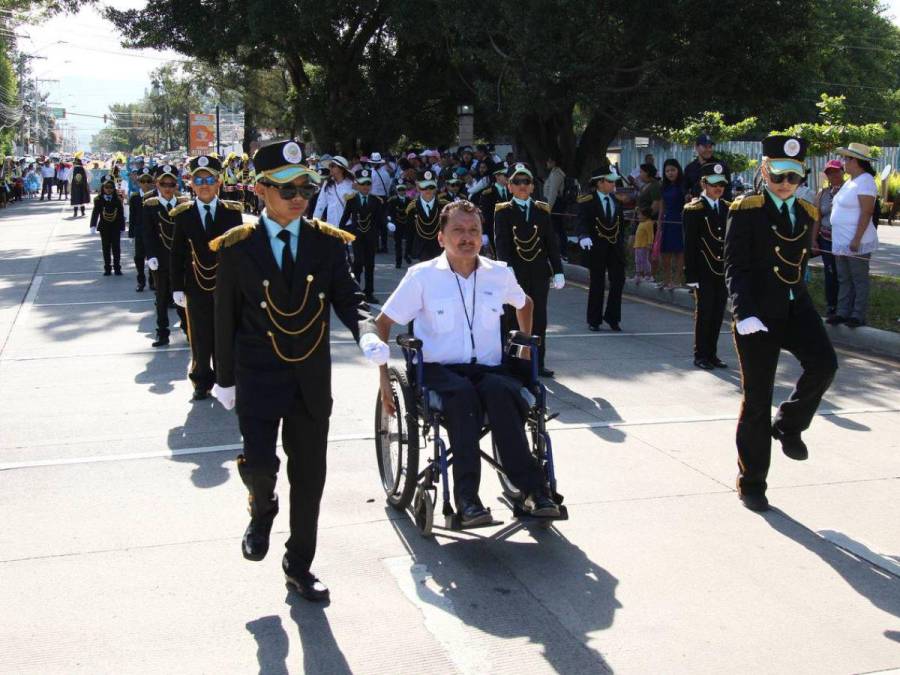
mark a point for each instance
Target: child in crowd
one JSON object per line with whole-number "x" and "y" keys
{"x": 643, "y": 243}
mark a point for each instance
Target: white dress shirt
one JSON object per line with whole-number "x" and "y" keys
{"x": 214, "y": 202}
{"x": 381, "y": 181}
{"x": 332, "y": 199}
{"x": 442, "y": 309}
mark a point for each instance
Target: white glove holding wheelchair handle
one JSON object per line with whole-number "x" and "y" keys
{"x": 391, "y": 227}
{"x": 376, "y": 351}
{"x": 225, "y": 396}
{"x": 585, "y": 243}
{"x": 153, "y": 264}
{"x": 559, "y": 282}
{"x": 179, "y": 299}
{"x": 750, "y": 325}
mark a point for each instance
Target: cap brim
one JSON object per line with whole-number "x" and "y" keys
{"x": 288, "y": 173}
{"x": 364, "y": 181}
{"x": 208, "y": 169}
{"x": 525, "y": 172}
{"x": 779, "y": 166}
{"x": 611, "y": 177}
{"x": 715, "y": 178}
{"x": 425, "y": 184}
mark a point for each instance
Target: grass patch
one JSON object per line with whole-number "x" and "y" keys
{"x": 884, "y": 299}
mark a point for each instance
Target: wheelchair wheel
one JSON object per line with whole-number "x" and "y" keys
{"x": 397, "y": 443}
{"x": 510, "y": 491}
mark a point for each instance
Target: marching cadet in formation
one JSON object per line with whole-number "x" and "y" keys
{"x": 193, "y": 271}
{"x": 489, "y": 198}
{"x": 424, "y": 217}
{"x": 278, "y": 281}
{"x": 601, "y": 233}
{"x": 398, "y": 224}
{"x": 453, "y": 189}
{"x": 704, "y": 262}
{"x": 768, "y": 240}
{"x": 108, "y": 216}
{"x": 526, "y": 242}
{"x": 364, "y": 218}
{"x": 159, "y": 230}
{"x": 145, "y": 188}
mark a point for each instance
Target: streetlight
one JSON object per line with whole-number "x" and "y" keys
{"x": 466, "y": 115}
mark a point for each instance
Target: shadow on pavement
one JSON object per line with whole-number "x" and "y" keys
{"x": 546, "y": 590}
{"x": 880, "y": 588}
{"x": 209, "y": 471}
{"x": 599, "y": 408}
{"x": 845, "y": 423}
{"x": 321, "y": 653}
{"x": 271, "y": 644}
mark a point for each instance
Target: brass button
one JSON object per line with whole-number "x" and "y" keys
{"x": 309, "y": 277}
{"x": 321, "y": 296}
{"x": 263, "y": 304}
{"x": 266, "y": 283}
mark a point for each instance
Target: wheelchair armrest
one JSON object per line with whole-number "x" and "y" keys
{"x": 407, "y": 341}
{"x": 517, "y": 337}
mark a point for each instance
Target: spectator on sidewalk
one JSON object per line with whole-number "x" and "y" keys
{"x": 554, "y": 195}
{"x": 670, "y": 227}
{"x": 853, "y": 235}
{"x": 635, "y": 176}
{"x": 704, "y": 147}
{"x": 48, "y": 178}
{"x": 834, "y": 172}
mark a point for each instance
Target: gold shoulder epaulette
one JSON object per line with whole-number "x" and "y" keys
{"x": 543, "y": 206}
{"x": 151, "y": 201}
{"x": 331, "y": 231}
{"x": 441, "y": 202}
{"x": 748, "y": 202}
{"x": 585, "y": 198}
{"x": 181, "y": 199}
{"x": 488, "y": 191}
{"x": 696, "y": 204}
{"x": 810, "y": 209}
{"x": 499, "y": 206}
{"x": 233, "y": 236}
{"x": 411, "y": 207}
{"x": 181, "y": 208}
{"x": 231, "y": 204}
{"x": 350, "y": 195}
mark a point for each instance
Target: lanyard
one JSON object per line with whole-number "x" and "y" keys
{"x": 469, "y": 322}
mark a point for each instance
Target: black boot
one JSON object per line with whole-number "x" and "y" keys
{"x": 263, "y": 507}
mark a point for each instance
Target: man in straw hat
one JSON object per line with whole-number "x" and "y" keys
{"x": 768, "y": 240}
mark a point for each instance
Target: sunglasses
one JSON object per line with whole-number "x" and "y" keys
{"x": 521, "y": 181}
{"x": 792, "y": 178}
{"x": 289, "y": 192}
{"x": 205, "y": 180}
{"x": 169, "y": 184}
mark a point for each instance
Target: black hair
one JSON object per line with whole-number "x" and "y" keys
{"x": 459, "y": 205}
{"x": 679, "y": 180}
{"x": 866, "y": 166}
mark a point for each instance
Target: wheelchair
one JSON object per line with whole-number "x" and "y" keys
{"x": 401, "y": 438}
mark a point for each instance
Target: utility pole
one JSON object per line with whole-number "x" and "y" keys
{"x": 218, "y": 135}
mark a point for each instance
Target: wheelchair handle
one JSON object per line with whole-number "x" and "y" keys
{"x": 521, "y": 339}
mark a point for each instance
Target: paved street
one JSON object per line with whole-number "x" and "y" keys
{"x": 123, "y": 510}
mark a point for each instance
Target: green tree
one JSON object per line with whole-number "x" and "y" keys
{"x": 834, "y": 130}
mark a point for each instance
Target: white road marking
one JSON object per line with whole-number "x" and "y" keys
{"x": 93, "y": 302}
{"x": 607, "y": 333}
{"x": 461, "y": 644}
{"x": 23, "y": 309}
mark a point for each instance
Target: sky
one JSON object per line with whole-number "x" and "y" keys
{"x": 83, "y": 53}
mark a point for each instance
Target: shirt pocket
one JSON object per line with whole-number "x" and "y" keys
{"x": 441, "y": 314}
{"x": 489, "y": 313}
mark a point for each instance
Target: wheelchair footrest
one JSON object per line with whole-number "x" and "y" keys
{"x": 520, "y": 513}
{"x": 454, "y": 522}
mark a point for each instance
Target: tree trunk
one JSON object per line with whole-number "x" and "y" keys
{"x": 591, "y": 150}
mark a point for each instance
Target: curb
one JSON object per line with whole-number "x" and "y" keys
{"x": 864, "y": 338}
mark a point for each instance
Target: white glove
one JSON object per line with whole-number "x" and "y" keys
{"x": 153, "y": 264}
{"x": 484, "y": 241}
{"x": 179, "y": 299}
{"x": 585, "y": 243}
{"x": 559, "y": 282}
{"x": 750, "y": 325}
{"x": 693, "y": 284}
{"x": 225, "y": 396}
{"x": 376, "y": 351}
{"x": 93, "y": 230}
{"x": 391, "y": 227}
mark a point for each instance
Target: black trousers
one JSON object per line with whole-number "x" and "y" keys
{"x": 163, "y": 298}
{"x": 139, "y": 259}
{"x": 364, "y": 259}
{"x": 305, "y": 442}
{"x": 201, "y": 332}
{"x": 536, "y": 285}
{"x": 400, "y": 237}
{"x": 63, "y": 189}
{"x": 111, "y": 242}
{"x": 709, "y": 309}
{"x": 467, "y": 392}
{"x": 47, "y": 187}
{"x": 801, "y": 333}
{"x": 604, "y": 262}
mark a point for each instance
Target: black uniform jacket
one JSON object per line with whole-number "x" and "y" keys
{"x": 159, "y": 229}
{"x": 526, "y": 245}
{"x": 193, "y": 263}
{"x": 363, "y": 221}
{"x": 135, "y": 211}
{"x": 396, "y": 209}
{"x": 426, "y": 228}
{"x": 704, "y": 240}
{"x": 606, "y": 236}
{"x": 765, "y": 257}
{"x": 109, "y": 216}
{"x": 271, "y": 342}
{"x": 487, "y": 202}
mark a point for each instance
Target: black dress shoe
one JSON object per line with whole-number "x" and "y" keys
{"x": 398, "y": 265}
{"x": 139, "y": 289}
{"x": 614, "y": 326}
{"x": 118, "y": 273}
{"x": 472, "y": 513}
{"x": 834, "y": 320}
{"x": 717, "y": 362}
{"x": 200, "y": 395}
{"x": 541, "y": 506}
{"x": 305, "y": 583}
{"x": 791, "y": 444}
{"x": 593, "y": 327}
{"x": 703, "y": 363}
{"x": 757, "y": 503}
{"x": 161, "y": 342}
{"x": 255, "y": 543}
{"x": 545, "y": 372}
{"x": 107, "y": 273}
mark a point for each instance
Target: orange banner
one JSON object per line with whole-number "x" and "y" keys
{"x": 203, "y": 132}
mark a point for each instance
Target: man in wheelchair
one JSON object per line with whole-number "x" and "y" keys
{"x": 455, "y": 302}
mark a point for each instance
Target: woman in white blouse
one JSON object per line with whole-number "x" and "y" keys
{"x": 853, "y": 235}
